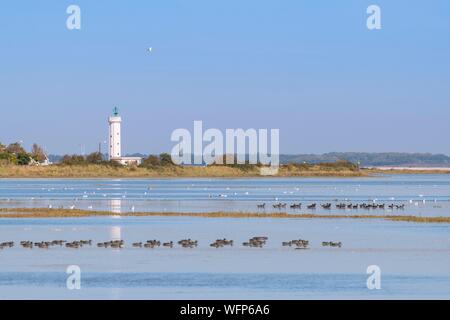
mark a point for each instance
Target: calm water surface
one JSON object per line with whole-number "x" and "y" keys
{"x": 414, "y": 258}
{"x": 422, "y": 194}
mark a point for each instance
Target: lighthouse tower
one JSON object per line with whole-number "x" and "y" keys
{"x": 115, "y": 144}
{"x": 115, "y": 147}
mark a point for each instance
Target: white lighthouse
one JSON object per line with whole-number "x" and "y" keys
{"x": 115, "y": 141}
{"x": 115, "y": 147}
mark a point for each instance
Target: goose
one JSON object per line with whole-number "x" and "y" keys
{"x": 168, "y": 244}
{"x": 326, "y": 206}
{"x": 312, "y": 206}
{"x": 296, "y": 206}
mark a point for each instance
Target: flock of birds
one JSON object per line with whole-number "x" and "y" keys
{"x": 328, "y": 206}
{"x": 254, "y": 242}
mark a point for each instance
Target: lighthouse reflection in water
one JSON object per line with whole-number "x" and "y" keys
{"x": 116, "y": 208}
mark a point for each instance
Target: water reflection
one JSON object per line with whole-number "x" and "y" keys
{"x": 115, "y": 206}
{"x": 115, "y": 233}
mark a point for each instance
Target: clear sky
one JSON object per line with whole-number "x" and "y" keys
{"x": 310, "y": 68}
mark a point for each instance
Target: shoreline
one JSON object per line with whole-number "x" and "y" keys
{"x": 42, "y": 213}
{"x": 111, "y": 172}
{"x": 174, "y": 172}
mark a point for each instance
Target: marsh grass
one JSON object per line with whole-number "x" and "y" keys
{"x": 66, "y": 213}
{"x": 215, "y": 171}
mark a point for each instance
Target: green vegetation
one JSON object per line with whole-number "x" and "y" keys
{"x": 79, "y": 168}
{"x": 15, "y": 154}
{"x": 373, "y": 159}
{"x": 152, "y": 161}
{"x": 15, "y": 163}
{"x": 94, "y": 158}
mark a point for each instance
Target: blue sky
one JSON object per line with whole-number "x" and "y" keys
{"x": 309, "y": 68}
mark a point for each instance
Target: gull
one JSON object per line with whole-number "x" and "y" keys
{"x": 149, "y": 49}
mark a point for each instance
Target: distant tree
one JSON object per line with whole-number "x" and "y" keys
{"x": 23, "y": 159}
{"x": 151, "y": 161}
{"x": 2, "y": 148}
{"x": 15, "y": 148}
{"x": 37, "y": 153}
{"x": 166, "y": 159}
{"x": 7, "y": 158}
{"x": 94, "y": 158}
{"x": 73, "y": 160}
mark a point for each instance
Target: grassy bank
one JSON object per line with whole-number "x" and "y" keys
{"x": 405, "y": 171}
{"x": 66, "y": 213}
{"x": 105, "y": 171}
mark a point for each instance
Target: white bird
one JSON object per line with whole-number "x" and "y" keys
{"x": 149, "y": 49}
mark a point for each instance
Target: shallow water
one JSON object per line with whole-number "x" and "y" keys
{"x": 426, "y": 195}
{"x": 414, "y": 258}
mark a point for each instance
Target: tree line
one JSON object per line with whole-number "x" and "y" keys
{"x": 98, "y": 158}
{"x": 15, "y": 154}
